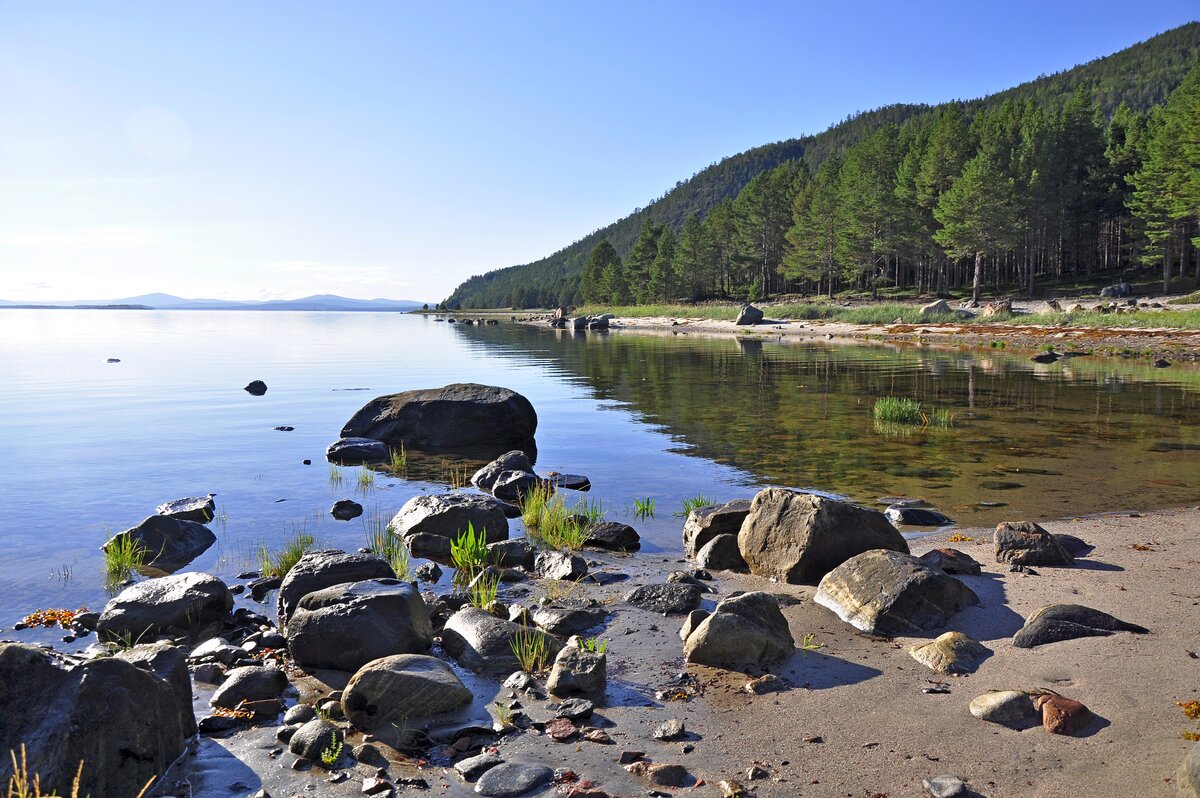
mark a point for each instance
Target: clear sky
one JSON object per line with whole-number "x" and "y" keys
{"x": 248, "y": 150}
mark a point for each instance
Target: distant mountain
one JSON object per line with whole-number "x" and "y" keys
{"x": 159, "y": 301}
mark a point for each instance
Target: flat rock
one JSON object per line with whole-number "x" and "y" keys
{"x": 402, "y": 689}
{"x": 1010, "y": 708}
{"x": 171, "y": 605}
{"x": 317, "y": 570}
{"x": 357, "y": 451}
{"x": 1026, "y": 543}
{"x": 448, "y": 515}
{"x": 705, "y": 523}
{"x": 613, "y": 536}
{"x": 799, "y": 537}
{"x": 952, "y": 652}
{"x": 567, "y": 621}
{"x": 473, "y": 767}
{"x": 200, "y": 509}
{"x": 168, "y": 543}
{"x": 742, "y": 632}
{"x": 672, "y": 598}
{"x": 889, "y": 593}
{"x": 1058, "y": 622}
{"x": 512, "y": 779}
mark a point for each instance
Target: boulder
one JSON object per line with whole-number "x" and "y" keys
{"x": 512, "y": 486}
{"x": 889, "y": 593}
{"x": 168, "y": 543}
{"x": 430, "y": 547}
{"x": 480, "y": 641}
{"x": 1187, "y": 778}
{"x": 256, "y": 388}
{"x": 577, "y": 672}
{"x": 705, "y": 523}
{"x": 1026, "y": 543}
{"x": 693, "y": 619}
{"x": 512, "y": 779}
{"x": 121, "y": 721}
{"x": 938, "y": 308}
{"x": 614, "y": 536}
{"x": 1000, "y": 307}
{"x": 169, "y": 663}
{"x": 746, "y": 631}
{"x": 182, "y": 604}
{"x": 346, "y": 509}
{"x": 462, "y": 415}
{"x": 1058, "y": 622}
{"x": 952, "y": 561}
{"x": 399, "y": 691}
{"x": 579, "y": 323}
{"x": 515, "y": 460}
{"x": 916, "y": 516}
{"x": 1049, "y": 306}
{"x": 952, "y": 652}
{"x": 249, "y": 683}
{"x": 346, "y": 626}
{"x": 314, "y": 738}
{"x": 449, "y": 514}
{"x": 517, "y": 553}
{"x": 317, "y": 570}
{"x": 1118, "y": 290}
{"x": 799, "y": 537}
{"x": 1011, "y": 708}
{"x": 672, "y": 598}
{"x": 197, "y": 508}
{"x": 748, "y": 315}
{"x": 356, "y": 451}
{"x": 550, "y": 564}
{"x": 721, "y": 554}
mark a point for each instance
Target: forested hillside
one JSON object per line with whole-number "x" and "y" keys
{"x": 1048, "y": 179}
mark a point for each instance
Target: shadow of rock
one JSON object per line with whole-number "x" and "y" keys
{"x": 991, "y": 619}
{"x": 1097, "y": 565}
{"x": 816, "y": 671}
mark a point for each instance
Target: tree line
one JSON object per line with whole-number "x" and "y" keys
{"x": 999, "y": 198}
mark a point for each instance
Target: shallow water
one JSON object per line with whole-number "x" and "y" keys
{"x": 91, "y": 447}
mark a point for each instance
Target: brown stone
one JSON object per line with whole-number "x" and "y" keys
{"x": 1061, "y": 715}
{"x": 561, "y": 730}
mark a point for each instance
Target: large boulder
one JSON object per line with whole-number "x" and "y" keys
{"x": 401, "y": 690}
{"x": 748, "y": 315}
{"x": 317, "y": 570}
{"x": 1116, "y": 291}
{"x": 462, "y": 415}
{"x": 746, "y": 631}
{"x": 889, "y": 593}
{"x": 799, "y": 537}
{"x": 168, "y": 662}
{"x": 449, "y": 514}
{"x": 121, "y": 721}
{"x": 182, "y": 604}
{"x": 480, "y": 641}
{"x": 168, "y": 543}
{"x": 1026, "y": 543}
{"x": 516, "y": 460}
{"x": 705, "y": 523}
{"x": 1058, "y": 622}
{"x": 939, "y": 307}
{"x": 346, "y": 626}
{"x": 1187, "y": 778}
{"x": 614, "y": 536}
{"x": 193, "y": 508}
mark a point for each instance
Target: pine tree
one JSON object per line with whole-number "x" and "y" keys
{"x": 594, "y": 281}
{"x": 641, "y": 259}
{"x": 694, "y": 259}
{"x": 813, "y": 236}
{"x": 662, "y": 270}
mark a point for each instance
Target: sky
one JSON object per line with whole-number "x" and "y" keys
{"x": 270, "y": 150}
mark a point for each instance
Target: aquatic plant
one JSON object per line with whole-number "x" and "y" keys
{"x": 643, "y": 508}
{"x": 278, "y": 563}
{"x": 594, "y": 645}
{"x": 468, "y": 552}
{"x": 364, "y": 482}
{"x": 530, "y": 648}
{"x": 53, "y": 617}
{"x": 336, "y": 478}
{"x": 546, "y": 516}
{"x": 897, "y": 410}
{"x": 592, "y": 509}
{"x": 456, "y": 475}
{"x": 398, "y": 460}
{"x": 123, "y": 555}
{"x": 386, "y": 546}
{"x": 694, "y": 503}
{"x": 483, "y": 591}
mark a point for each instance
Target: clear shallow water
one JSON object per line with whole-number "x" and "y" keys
{"x": 89, "y": 448}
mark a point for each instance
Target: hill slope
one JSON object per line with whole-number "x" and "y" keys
{"x": 1141, "y": 76}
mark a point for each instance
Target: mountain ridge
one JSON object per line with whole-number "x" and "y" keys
{"x": 161, "y": 301}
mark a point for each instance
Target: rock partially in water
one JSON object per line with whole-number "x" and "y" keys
{"x": 357, "y": 451}
{"x": 346, "y": 626}
{"x": 168, "y": 543}
{"x": 515, "y": 460}
{"x": 513, "y": 779}
{"x": 613, "y": 536}
{"x": 916, "y": 516}
{"x": 952, "y": 652}
{"x": 1026, "y": 543}
{"x": 256, "y": 388}
{"x": 513, "y": 486}
{"x": 799, "y": 537}
{"x": 196, "y": 508}
{"x": 317, "y": 570}
{"x": 480, "y": 641}
{"x": 517, "y": 553}
{"x": 705, "y": 523}
{"x": 346, "y": 509}
{"x": 1010, "y": 708}
{"x": 449, "y": 515}
{"x": 745, "y": 631}
{"x": 567, "y": 621}
{"x": 182, "y": 604}
{"x": 672, "y": 598}
{"x": 169, "y": 663}
{"x": 473, "y": 767}
{"x": 889, "y": 593}
{"x": 1058, "y": 622}
{"x": 721, "y": 554}
{"x": 401, "y": 691}
{"x": 462, "y": 415}
{"x": 121, "y": 721}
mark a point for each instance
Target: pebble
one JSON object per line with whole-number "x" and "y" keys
{"x": 672, "y": 729}
{"x": 474, "y": 767}
{"x": 945, "y": 787}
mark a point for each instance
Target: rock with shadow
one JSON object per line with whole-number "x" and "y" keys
{"x": 1058, "y": 622}
{"x": 746, "y": 631}
{"x": 168, "y": 544}
{"x": 1028, "y": 544}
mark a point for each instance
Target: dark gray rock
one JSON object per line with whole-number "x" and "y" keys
{"x": 1058, "y": 622}
{"x": 889, "y": 593}
{"x": 473, "y": 767}
{"x": 549, "y": 564}
{"x": 744, "y": 631}
{"x": 673, "y": 598}
{"x": 183, "y": 604}
{"x": 251, "y": 683}
{"x": 566, "y": 621}
{"x": 705, "y": 523}
{"x": 568, "y": 481}
{"x": 356, "y": 451}
{"x": 799, "y": 537}
{"x": 317, "y": 570}
{"x": 121, "y": 721}
{"x": 449, "y": 514}
{"x": 578, "y": 672}
{"x": 401, "y": 691}
{"x": 346, "y": 626}
{"x": 748, "y": 315}
{"x": 1026, "y": 543}
{"x": 256, "y": 388}
{"x": 515, "y": 460}
{"x": 169, "y": 663}
{"x": 429, "y": 572}
{"x": 1117, "y": 291}
{"x": 197, "y": 508}
{"x": 462, "y": 415}
{"x": 513, "y": 779}
{"x": 916, "y": 516}
{"x": 518, "y": 553}
{"x": 168, "y": 543}
{"x": 575, "y": 709}
{"x": 480, "y": 641}
{"x": 430, "y": 547}
{"x": 346, "y": 509}
{"x": 613, "y": 536}
{"x": 721, "y": 554}
{"x": 314, "y": 738}
{"x": 511, "y": 486}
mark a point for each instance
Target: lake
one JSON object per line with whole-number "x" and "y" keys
{"x": 92, "y": 447}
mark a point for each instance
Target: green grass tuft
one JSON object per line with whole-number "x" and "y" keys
{"x": 531, "y": 649}
{"x": 694, "y": 503}
{"x": 469, "y": 553}
{"x": 643, "y": 508}
{"x": 123, "y": 556}
{"x": 897, "y": 410}
{"x": 386, "y": 546}
{"x": 278, "y": 563}
{"x": 546, "y": 516}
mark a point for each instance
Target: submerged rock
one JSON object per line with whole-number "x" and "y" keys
{"x": 1026, "y": 543}
{"x": 346, "y": 509}
{"x": 742, "y": 632}
{"x": 1058, "y": 622}
{"x": 401, "y": 690}
{"x": 171, "y": 605}
{"x": 952, "y": 652}
{"x": 167, "y": 543}
{"x": 256, "y": 388}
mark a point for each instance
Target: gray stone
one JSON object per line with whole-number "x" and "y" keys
{"x": 575, "y": 709}
{"x": 429, "y": 572}
{"x": 357, "y": 451}
{"x": 577, "y": 672}
{"x": 1010, "y": 708}
{"x": 1058, "y": 622}
{"x": 939, "y": 307}
{"x": 952, "y": 561}
{"x": 317, "y": 570}
{"x": 566, "y": 621}
{"x": 721, "y": 554}
{"x": 916, "y": 516}
{"x": 515, "y": 460}
{"x": 705, "y": 523}
{"x": 299, "y": 714}
{"x": 216, "y": 649}
{"x": 346, "y": 626}
{"x": 1026, "y": 543}
{"x": 462, "y": 415}
{"x": 550, "y": 564}
{"x": 170, "y": 605}
{"x": 945, "y": 786}
{"x": 671, "y": 729}
{"x": 512, "y": 779}
{"x": 194, "y": 508}
{"x": 613, "y": 536}
{"x": 430, "y": 547}
{"x": 168, "y": 543}
{"x": 952, "y": 652}
{"x": 742, "y": 632}
{"x": 251, "y": 683}
{"x": 395, "y": 692}
{"x": 799, "y": 537}
{"x": 474, "y": 767}
{"x": 748, "y": 315}
{"x": 480, "y": 641}
{"x": 346, "y": 509}
{"x": 694, "y": 619}
{"x": 673, "y": 598}
{"x": 512, "y": 486}
{"x": 518, "y": 553}
{"x": 448, "y": 515}
{"x": 889, "y": 593}
{"x": 169, "y": 663}
{"x": 314, "y": 738}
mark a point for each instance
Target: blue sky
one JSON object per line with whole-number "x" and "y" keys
{"x": 269, "y": 149}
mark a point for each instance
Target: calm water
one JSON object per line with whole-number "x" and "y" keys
{"x": 90, "y": 447}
